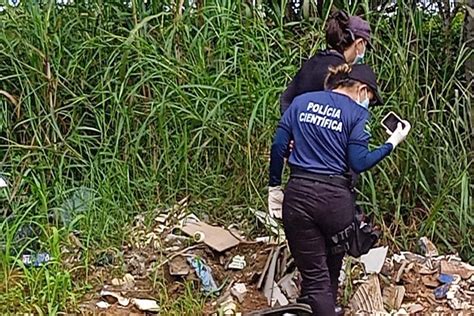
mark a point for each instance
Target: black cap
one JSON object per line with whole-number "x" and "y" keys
{"x": 364, "y": 74}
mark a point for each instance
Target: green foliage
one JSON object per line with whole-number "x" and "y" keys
{"x": 144, "y": 106}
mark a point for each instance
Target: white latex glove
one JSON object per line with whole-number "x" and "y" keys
{"x": 399, "y": 134}
{"x": 275, "y": 201}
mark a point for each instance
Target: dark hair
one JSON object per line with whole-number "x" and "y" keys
{"x": 338, "y": 34}
{"x": 338, "y": 77}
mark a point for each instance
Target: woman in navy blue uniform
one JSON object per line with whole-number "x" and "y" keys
{"x": 330, "y": 130}
{"x": 347, "y": 38}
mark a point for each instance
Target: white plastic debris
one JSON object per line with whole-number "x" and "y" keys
{"x": 3, "y": 183}
{"x": 146, "y": 305}
{"x": 14, "y": 3}
{"x": 102, "y": 305}
{"x": 238, "y": 263}
{"x": 114, "y": 297}
{"x": 238, "y": 291}
{"x": 373, "y": 261}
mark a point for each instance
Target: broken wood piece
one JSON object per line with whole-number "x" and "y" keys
{"x": 393, "y": 297}
{"x": 288, "y": 286}
{"x": 368, "y": 297}
{"x": 429, "y": 281}
{"x": 215, "y": 237}
{"x": 265, "y": 269}
{"x": 464, "y": 270}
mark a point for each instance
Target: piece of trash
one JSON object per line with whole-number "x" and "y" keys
{"x": 427, "y": 247}
{"x": 102, "y": 305}
{"x": 178, "y": 266}
{"x": 401, "y": 312}
{"x": 441, "y": 291}
{"x": 413, "y": 257}
{"x": 452, "y": 292}
{"x": 445, "y": 278}
{"x": 79, "y": 201}
{"x": 3, "y": 183}
{"x": 113, "y": 297}
{"x": 288, "y": 286}
{"x": 462, "y": 269}
{"x": 368, "y": 297}
{"x": 373, "y": 261}
{"x": 278, "y": 299}
{"x": 429, "y": 281}
{"x": 269, "y": 286}
{"x": 217, "y": 238}
{"x": 398, "y": 258}
{"x": 204, "y": 273}
{"x": 146, "y": 305}
{"x": 238, "y": 291}
{"x": 393, "y": 297}
{"x": 237, "y": 263}
{"x": 128, "y": 281}
{"x": 414, "y": 308}
{"x": 199, "y": 237}
{"x": 162, "y": 218}
{"x": 270, "y": 223}
{"x": 35, "y": 260}
{"x": 228, "y": 307}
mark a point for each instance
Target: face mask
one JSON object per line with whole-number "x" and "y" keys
{"x": 364, "y": 103}
{"x": 359, "y": 57}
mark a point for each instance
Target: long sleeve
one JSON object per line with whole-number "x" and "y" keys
{"x": 277, "y": 154}
{"x": 361, "y": 159}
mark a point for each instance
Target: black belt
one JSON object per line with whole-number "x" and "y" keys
{"x": 324, "y": 178}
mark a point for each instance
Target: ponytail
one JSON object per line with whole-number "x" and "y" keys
{"x": 339, "y": 77}
{"x": 338, "y": 34}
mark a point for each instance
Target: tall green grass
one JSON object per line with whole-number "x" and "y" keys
{"x": 144, "y": 106}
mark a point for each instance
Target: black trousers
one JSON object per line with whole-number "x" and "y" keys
{"x": 312, "y": 213}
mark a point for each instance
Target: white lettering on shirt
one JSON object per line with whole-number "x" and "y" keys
{"x": 324, "y": 116}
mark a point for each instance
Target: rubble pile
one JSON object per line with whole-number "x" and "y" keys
{"x": 410, "y": 284}
{"x": 242, "y": 277}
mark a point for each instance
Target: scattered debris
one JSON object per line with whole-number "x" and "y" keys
{"x": 237, "y": 263}
{"x": 289, "y": 287}
{"x": 128, "y": 281}
{"x": 453, "y": 266}
{"x": 427, "y": 247}
{"x": 257, "y": 274}
{"x": 178, "y": 266}
{"x": 238, "y": 291}
{"x": 102, "y": 305}
{"x": 368, "y": 297}
{"x": 393, "y": 297}
{"x": 113, "y": 297}
{"x": 35, "y": 260}
{"x": 217, "y": 238}
{"x": 204, "y": 273}
{"x": 146, "y": 305}
{"x": 3, "y": 183}
{"x": 373, "y": 261}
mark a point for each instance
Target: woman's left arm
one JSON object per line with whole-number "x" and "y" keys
{"x": 277, "y": 155}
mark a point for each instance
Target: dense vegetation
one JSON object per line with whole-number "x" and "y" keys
{"x": 138, "y": 106}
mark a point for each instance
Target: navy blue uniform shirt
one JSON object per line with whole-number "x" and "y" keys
{"x": 330, "y": 136}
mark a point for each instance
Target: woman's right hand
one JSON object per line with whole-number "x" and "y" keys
{"x": 275, "y": 201}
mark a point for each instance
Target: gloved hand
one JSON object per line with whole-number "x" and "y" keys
{"x": 399, "y": 134}
{"x": 275, "y": 201}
